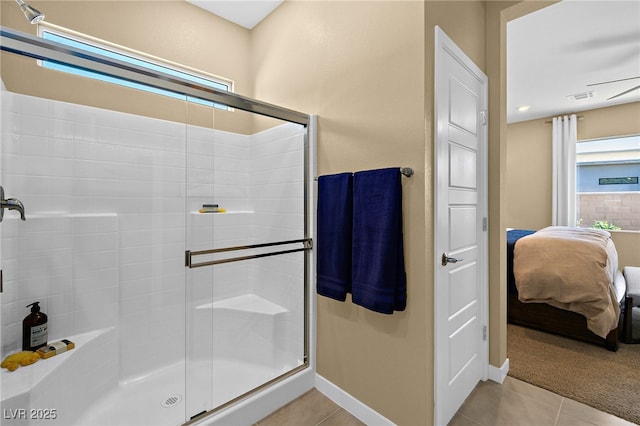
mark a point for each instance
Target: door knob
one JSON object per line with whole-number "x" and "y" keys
{"x": 446, "y": 259}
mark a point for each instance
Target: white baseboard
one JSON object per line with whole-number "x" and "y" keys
{"x": 499, "y": 374}
{"x": 359, "y": 410}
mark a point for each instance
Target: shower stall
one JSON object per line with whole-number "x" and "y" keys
{"x": 179, "y": 314}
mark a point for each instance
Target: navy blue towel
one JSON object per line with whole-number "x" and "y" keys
{"x": 378, "y": 276}
{"x": 333, "y": 242}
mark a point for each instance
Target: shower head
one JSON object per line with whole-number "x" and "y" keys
{"x": 32, "y": 14}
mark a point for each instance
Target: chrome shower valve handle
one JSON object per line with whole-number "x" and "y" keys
{"x": 11, "y": 204}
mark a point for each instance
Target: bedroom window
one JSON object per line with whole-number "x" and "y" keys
{"x": 607, "y": 187}
{"x": 72, "y": 39}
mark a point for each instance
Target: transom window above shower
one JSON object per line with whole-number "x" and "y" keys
{"x": 139, "y": 59}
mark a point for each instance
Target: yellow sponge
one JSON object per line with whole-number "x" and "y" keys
{"x": 12, "y": 362}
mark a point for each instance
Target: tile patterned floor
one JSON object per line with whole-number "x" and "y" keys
{"x": 311, "y": 409}
{"x": 490, "y": 404}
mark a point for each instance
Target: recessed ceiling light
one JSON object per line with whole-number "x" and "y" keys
{"x": 523, "y": 108}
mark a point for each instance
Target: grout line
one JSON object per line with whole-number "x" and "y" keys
{"x": 559, "y": 410}
{"x": 534, "y": 397}
{"x": 326, "y": 418}
{"x": 474, "y": 421}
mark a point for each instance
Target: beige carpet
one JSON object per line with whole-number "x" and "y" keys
{"x": 608, "y": 381}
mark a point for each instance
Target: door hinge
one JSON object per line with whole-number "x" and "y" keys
{"x": 485, "y": 223}
{"x": 484, "y": 333}
{"x": 1, "y": 281}
{"x": 484, "y": 116}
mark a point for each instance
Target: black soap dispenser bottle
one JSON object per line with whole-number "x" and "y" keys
{"x": 34, "y": 329}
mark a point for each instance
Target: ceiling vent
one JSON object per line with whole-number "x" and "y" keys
{"x": 582, "y": 96}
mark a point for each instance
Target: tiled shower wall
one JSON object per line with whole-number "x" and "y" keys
{"x": 277, "y": 176}
{"x": 107, "y": 195}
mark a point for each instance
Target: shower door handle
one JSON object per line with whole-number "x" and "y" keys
{"x": 307, "y": 244}
{"x": 11, "y": 204}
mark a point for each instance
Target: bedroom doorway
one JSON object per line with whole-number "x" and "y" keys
{"x": 461, "y": 238}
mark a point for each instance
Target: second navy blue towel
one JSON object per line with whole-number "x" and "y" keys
{"x": 378, "y": 276}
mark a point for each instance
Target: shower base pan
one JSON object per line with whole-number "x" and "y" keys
{"x": 161, "y": 399}
{"x": 81, "y": 387}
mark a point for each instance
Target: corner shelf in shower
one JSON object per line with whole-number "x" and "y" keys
{"x": 246, "y": 303}
{"x": 87, "y": 345}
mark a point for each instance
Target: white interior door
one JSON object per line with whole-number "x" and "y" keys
{"x": 460, "y": 227}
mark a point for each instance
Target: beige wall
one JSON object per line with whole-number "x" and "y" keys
{"x": 528, "y": 170}
{"x": 528, "y": 182}
{"x": 619, "y": 120}
{"x": 496, "y": 71}
{"x": 360, "y": 67}
{"x": 628, "y": 247}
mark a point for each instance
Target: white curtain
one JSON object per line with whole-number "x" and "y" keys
{"x": 565, "y": 132}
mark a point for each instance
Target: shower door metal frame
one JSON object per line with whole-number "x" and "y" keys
{"x": 23, "y": 44}
{"x": 38, "y": 48}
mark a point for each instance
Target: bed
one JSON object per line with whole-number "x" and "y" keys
{"x": 565, "y": 281}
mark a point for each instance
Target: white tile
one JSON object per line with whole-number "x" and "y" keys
{"x": 94, "y": 223}
{"x": 62, "y": 111}
{"x": 13, "y": 312}
{"x": 201, "y": 146}
{"x": 135, "y": 288}
{"x": 109, "y": 137}
{"x": 34, "y": 106}
{"x": 59, "y": 320}
{"x": 32, "y": 290}
{"x": 92, "y": 279}
{"x": 95, "y": 261}
{"x": 134, "y": 271}
{"x": 95, "y": 242}
{"x": 11, "y": 142}
{"x": 62, "y": 129}
{"x": 86, "y": 131}
{"x": 94, "y": 316}
{"x": 171, "y": 159}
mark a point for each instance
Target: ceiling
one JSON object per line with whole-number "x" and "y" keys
{"x": 560, "y": 50}
{"x": 246, "y": 13}
{"x": 552, "y": 54}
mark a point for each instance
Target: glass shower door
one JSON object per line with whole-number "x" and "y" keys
{"x": 246, "y": 256}
{"x": 102, "y": 250}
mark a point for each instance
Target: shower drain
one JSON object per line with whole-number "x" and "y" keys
{"x": 172, "y": 401}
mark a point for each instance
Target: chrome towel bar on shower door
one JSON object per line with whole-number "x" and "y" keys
{"x": 307, "y": 244}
